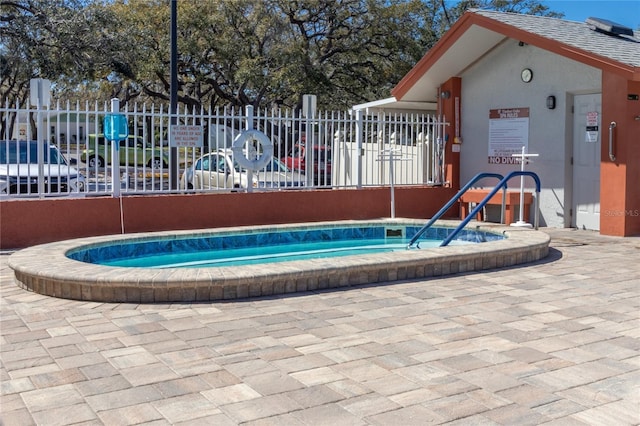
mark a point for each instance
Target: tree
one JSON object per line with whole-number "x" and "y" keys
{"x": 352, "y": 51}
{"x": 231, "y": 52}
{"x": 528, "y": 7}
{"x": 270, "y": 52}
{"x": 52, "y": 39}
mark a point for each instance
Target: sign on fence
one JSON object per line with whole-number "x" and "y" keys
{"x": 39, "y": 91}
{"x": 115, "y": 127}
{"x": 182, "y": 136}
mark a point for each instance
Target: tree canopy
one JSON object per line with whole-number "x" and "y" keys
{"x": 230, "y": 52}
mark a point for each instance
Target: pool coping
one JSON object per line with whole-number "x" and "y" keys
{"x": 45, "y": 269}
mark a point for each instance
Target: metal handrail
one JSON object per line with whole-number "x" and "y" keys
{"x": 503, "y": 183}
{"x": 455, "y": 198}
{"x": 612, "y": 126}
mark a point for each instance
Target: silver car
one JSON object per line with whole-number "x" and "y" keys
{"x": 19, "y": 170}
{"x": 218, "y": 170}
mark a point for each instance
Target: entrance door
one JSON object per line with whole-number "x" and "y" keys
{"x": 587, "y": 136}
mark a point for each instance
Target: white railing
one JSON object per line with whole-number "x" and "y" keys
{"x": 350, "y": 149}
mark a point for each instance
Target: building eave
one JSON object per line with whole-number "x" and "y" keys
{"x": 469, "y": 39}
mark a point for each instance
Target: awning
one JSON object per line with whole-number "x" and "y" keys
{"x": 393, "y": 105}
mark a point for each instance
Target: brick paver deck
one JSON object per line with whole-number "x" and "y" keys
{"x": 555, "y": 342}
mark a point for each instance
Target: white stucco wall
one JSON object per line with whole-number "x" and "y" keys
{"x": 494, "y": 82}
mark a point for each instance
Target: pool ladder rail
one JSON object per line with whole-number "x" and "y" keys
{"x": 501, "y": 185}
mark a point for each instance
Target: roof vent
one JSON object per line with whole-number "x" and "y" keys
{"x": 608, "y": 27}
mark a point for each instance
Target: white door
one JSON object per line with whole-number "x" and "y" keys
{"x": 587, "y": 136}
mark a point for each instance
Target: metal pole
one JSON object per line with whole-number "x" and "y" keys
{"x": 391, "y": 182}
{"x": 524, "y": 158}
{"x": 40, "y": 143}
{"x": 359, "y": 151}
{"x": 173, "y": 157}
{"x": 309, "y": 114}
{"x": 249, "y": 126}
{"x": 522, "y": 161}
{"x": 39, "y": 95}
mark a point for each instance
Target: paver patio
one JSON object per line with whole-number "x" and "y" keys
{"x": 555, "y": 342}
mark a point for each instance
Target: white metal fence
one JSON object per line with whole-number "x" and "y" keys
{"x": 344, "y": 149}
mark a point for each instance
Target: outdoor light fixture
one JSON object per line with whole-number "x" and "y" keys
{"x": 551, "y": 102}
{"x": 445, "y": 95}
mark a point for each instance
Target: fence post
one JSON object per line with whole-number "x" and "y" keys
{"x": 359, "y": 153}
{"x": 39, "y": 93}
{"x": 174, "y": 166}
{"x": 309, "y": 111}
{"x": 249, "y": 126}
{"x": 41, "y": 148}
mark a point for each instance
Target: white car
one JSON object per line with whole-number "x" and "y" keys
{"x": 218, "y": 170}
{"x": 19, "y": 170}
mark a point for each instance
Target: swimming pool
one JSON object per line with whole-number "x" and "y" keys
{"x": 267, "y": 245}
{"x": 48, "y": 269}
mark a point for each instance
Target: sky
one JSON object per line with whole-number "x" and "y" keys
{"x": 625, "y": 12}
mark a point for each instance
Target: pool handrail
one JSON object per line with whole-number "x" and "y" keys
{"x": 455, "y": 198}
{"x": 480, "y": 205}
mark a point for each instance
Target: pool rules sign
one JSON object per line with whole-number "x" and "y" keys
{"x": 508, "y": 133}
{"x": 186, "y": 136}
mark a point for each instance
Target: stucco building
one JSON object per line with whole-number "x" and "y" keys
{"x": 567, "y": 91}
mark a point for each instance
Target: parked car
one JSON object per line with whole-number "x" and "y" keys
{"x": 133, "y": 152}
{"x": 297, "y": 160}
{"x": 19, "y": 169}
{"x": 218, "y": 170}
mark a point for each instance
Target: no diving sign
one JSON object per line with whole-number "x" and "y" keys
{"x": 182, "y": 136}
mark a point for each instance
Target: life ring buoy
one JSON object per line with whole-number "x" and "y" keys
{"x": 243, "y": 160}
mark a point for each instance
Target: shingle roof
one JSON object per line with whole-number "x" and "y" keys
{"x": 571, "y": 33}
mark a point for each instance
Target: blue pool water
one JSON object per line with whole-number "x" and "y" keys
{"x": 266, "y": 246}
{"x": 253, "y": 255}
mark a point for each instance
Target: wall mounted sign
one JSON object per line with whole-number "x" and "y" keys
{"x": 508, "y": 133}
{"x": 591, "y": 134}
